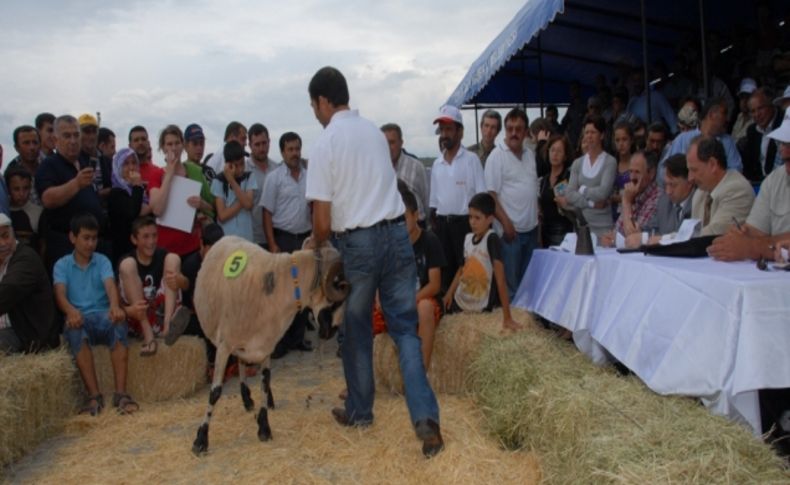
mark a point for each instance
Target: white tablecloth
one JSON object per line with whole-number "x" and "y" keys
{"x": 695, "y": 327}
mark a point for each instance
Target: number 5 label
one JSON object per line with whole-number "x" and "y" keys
{"x": 235, "y": 264}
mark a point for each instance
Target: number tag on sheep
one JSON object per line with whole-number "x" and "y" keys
{"x": 246, "y": 297}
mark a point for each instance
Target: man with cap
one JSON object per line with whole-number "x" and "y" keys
{"x": 769, "y": 218}
{"x": 744, "y": 119}
{"x": 490, "y": 126}
{"x": 760, "y": 154}
{"x": 27, "y": 311}
{"x": 90, "y": 155}
{"x": 783, "y": 102}
{"x": 456, "y": 176}
{"x": 194, "y": 146}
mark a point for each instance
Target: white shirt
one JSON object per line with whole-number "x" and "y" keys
{"x": 453, "y": 184}
{"x": 285, "y": 198}
{"x": 350, "y": 167}
{"x": 515, "y": 181}
{"x": 258, "y": 235}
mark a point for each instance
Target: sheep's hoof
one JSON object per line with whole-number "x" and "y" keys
{"x": 265, "y": 435}
{"x": 200, "y": 445}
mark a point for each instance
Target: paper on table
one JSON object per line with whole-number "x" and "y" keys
{"x": 178, "y": 213}
{"x": 688, "y": 228}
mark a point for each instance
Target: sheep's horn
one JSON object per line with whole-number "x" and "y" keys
{"x": 336, "y": 287}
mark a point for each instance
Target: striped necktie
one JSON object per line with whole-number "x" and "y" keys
{"x": 708, "y": 204}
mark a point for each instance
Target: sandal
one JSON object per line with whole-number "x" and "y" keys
{"x": 178, "y": 323}
{"x": 148, "y": 349}
{"x": 124, "y": 402}
{"x": 93, "y": 405}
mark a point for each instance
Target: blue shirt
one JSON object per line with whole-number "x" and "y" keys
{"x": 85, "y": 286}
{"x": 682, "y": 142}
{"x": 241, "y": 224}
{"x": 659, "y": 108}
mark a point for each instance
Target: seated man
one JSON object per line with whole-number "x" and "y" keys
{"x": 769, "y": 219}
{"x": 724, "y": 195}
{"x": 640, "y": 196}
{"x": 27, "y": 311}
{"x": 142, "y": 275}
{"x": 674, "y": 204}
{"x": 85, "y": 292}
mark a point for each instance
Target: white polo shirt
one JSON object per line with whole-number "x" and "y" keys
{"x": 453, "y": 184}
{"x": 350, "y": 167}
{"x": 515, "y": 182}
{"x": 285, "y": 198}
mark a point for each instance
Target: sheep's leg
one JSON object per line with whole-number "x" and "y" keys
{"x": 200, "y": 445}
{"x": 266, "y": 383}
{"x": 246, "y": 396}
{"x": 264, "y": 430}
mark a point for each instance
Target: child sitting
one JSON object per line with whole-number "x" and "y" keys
{"x": 24, "y": 213}
{"x": 85, "y": 292}
{"x": 234, "y": 193}
{"x": 473, "y": 287}
{"x": 143, "y": 274}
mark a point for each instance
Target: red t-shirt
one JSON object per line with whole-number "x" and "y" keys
{"x": 172, "y": 240}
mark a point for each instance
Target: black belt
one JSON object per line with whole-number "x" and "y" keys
{"x": 381, "y": 223}
{"x": 280, "y": 232}
{"x": 452, "y": 218}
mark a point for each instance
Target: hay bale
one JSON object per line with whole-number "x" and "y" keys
{"x": 172, "y": 372}
{"x": 37, "y": 395}
{"x": 456, "y": 343}
{"x": 591, "y": 425}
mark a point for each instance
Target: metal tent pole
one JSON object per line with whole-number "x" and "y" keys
{"x": 704, "y": 49}
{"x": 644, "y": 63}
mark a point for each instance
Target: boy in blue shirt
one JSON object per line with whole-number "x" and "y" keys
{"x": 86, "y": 293}
{"x": 234, "y": 194}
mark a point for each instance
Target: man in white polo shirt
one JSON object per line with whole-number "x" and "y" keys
{"x": 456, "y": 176}
{"x": 511, "y": 176}
{"x": 366, "y": 214}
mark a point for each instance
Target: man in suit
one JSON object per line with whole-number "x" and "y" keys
{"x": 724, "y": 195}
{"x": 760, "y": 154}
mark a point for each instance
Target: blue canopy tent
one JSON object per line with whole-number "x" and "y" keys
{"x": 550, "y": 43}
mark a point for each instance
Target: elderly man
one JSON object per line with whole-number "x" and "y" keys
{"x": 744, "y": 119}
{"x": 456, "y": 176}
{"x": 724, "y": 194}
{"x": 511, "y": 177}
{"x": 490, "y": 126}
{"x": 713, "y": 124}
{"x": 640, "y": 196}
{"x": 408, "y": 169}
{"x": 760, "y": 154}
{"x": 769, "y": 219}
{"x": 90, "y": 155}
{"x": 27, "y": 309}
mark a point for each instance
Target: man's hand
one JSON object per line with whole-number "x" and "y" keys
{"x": 447, "y": 300}
{"x": 137, "y": 310}
{"x": 194, "y": 201}
{"x": 73, "y": 318}
{"x": 543, "y": 135}
{"x": 781, "y": 245}
{"x": 561, "y": 201}
{"x": 733, "y": 246}
{"x": 274, "y": 248}
{"x": 630, "y": 227}
{"x": 85, "y": 177}
{"x": 228, "y": 172}
{"x": 117, "y": 314}
{"x": 630, "y": 191}
{"x": 607, "y": 240}
{"x": 509, "y": 231}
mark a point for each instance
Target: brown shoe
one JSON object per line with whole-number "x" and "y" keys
{"x": 428, "y": 431}
{"x": 342, "y": 418}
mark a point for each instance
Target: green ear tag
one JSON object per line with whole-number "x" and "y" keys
{"x": 235, "y": 264}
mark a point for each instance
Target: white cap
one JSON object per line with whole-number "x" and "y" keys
{"x": 448, "y": 113}
{"x": 748, "y": 86}
{"x": 4, "y": 220}
{"x": 784, "y": 97}
{"x": 782, "y": 133}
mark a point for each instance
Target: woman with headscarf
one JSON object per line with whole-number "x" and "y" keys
{"x": 127, "y": 201}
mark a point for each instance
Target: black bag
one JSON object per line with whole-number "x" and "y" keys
{"x": 693, "y": 248}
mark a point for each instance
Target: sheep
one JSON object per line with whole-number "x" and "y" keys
{"x": 245, "y": 299}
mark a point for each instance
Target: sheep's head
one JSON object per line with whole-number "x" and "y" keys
{"x": 330, "y": 270}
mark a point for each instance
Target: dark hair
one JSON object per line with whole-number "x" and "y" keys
{"x": 104, "y": 135}
{"x": 255, "y": 130}
{"x": 137, "y": 128}
{"x": 710, "y": 104}
{"x": 552, "y": 107}
{"x": 23, "y": 129}
{"x": 289, "y": 136}
{"x": 597, "y": 121}
{"x": 141, "y": 222}
{"x": 490, "y": 113}
{"x": 566, "y": 145}
{"x": 84, "y": 221}
{"x": 658, "y": 127}
{"x": 484, "y": 202}
{"x": 16, "y": 172}
{"x": 676, "y": 166}
{"x": 708, "y": 147}
{"x": 233, "y": 151}
{"x": 234, "y": 128}
{"x": 329, "y": 83}
{"x": 170, "y": 130}
{"x": 517, "y": 114}
{"x": 621, "y": 94}
{"x": 44, "y": 118}
{"x": 624, "y": 125}
{"x": 538, "y": 125}
{"x": 651, "y": 158}
{"x": 409, "y": 200}
{"x": 392, "y": 127}
{"x": 211, "y": 234}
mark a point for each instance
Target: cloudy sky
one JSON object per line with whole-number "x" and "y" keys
{"x": 160, "y": 62}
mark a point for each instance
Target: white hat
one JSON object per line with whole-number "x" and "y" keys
{"x": 748, "y": 86}
{"x": 4, "y": 220}
{"x": 784, "y": 97}
{"x": 782, "y": 133}
{"x": 448, "y": 113}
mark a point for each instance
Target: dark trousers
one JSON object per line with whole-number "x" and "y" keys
{"x": 294, "y": 336}
{"x": 451, "y": 231}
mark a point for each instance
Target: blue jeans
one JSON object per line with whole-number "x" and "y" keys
{"x": 381, "y": 258}
{"x": 515, "y": 257}
{"x": 97, "y": 329}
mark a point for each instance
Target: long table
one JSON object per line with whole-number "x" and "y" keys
{"x": 694, "y": 327}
